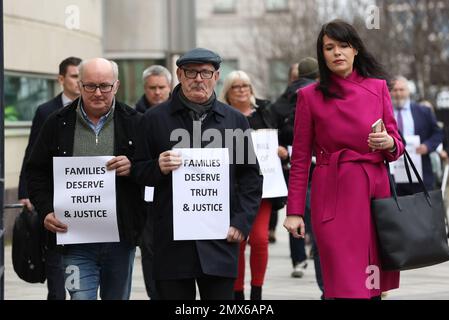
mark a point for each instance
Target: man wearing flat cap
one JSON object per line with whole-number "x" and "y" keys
{"x": 210, "y": 264}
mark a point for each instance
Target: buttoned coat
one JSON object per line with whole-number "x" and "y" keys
{"x": 56, "y": 139}
{"x": 190, "y": 259}
{"x": 347, "y": 176}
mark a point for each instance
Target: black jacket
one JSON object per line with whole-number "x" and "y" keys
{"x": 42, "y": 113}
{"x": 142, "y": 105}
{"x": 283, "y": 111}
{"x": 263, "y": 107}
{"x": 187, "y": 259}
{"x": 56, "y": 140}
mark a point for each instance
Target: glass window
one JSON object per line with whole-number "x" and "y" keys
{"x": 130, "y": 76}
{"x": 276, "y": 5}
{"x": 24, "y": 93}
{"x": 224, "y": 6}
{"x": 278, "y": 78}
{"x": 225, "y": 68}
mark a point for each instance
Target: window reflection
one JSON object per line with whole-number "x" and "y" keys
{"x": 23, "y": 94}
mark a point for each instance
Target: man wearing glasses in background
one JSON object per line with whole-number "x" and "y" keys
{"x": 93, "y": 125}
{"x": 211, "y": 264}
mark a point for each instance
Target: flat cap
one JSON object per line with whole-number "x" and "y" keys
{"x": 308, "y": 68}
{"x": 200, "y": 55}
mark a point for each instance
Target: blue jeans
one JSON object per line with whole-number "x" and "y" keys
{"x": 105, "y": 265}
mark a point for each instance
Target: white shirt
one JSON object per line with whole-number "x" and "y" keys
{"x": 65, "y": 100}
{"x": 407, "y": 119}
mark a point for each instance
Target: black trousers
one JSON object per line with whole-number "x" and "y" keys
{"x": 54, "y": 271}
{"x": 146, "y": 250}
{"x": 210, "y": 287}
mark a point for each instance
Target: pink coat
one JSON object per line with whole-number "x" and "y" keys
{"x": 348, "y": 174}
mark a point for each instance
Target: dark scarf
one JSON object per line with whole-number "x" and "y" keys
{"x": 197, "y": 112}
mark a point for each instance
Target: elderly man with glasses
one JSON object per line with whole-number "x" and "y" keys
{"x": 93, "y": 125}
{"x": 211, "y": 264}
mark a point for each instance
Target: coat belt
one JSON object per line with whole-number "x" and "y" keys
{"x": 333, "y": 160}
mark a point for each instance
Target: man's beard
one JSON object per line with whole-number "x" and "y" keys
{"x": 399, "y": 103}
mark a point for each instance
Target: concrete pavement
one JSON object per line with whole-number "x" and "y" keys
{"x": 430, "y": 283}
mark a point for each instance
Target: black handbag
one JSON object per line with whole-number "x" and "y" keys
{"x": 411, "y": 229}
{"x": 27, "y": 249}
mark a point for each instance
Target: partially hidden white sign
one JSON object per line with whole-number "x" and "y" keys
{"x": 84, "y": 199}
{"x": 201, "y": 194}
{"x": 397, "y": 168}
{"x": 266, "y": 148}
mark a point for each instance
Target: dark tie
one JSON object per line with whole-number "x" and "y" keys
{"x": 400, "y": 122}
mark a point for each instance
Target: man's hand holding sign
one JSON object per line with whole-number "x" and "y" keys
{"x": 85, "y": 201}
{"x": 120, "y": 164}
{"x": 172, "y": 160}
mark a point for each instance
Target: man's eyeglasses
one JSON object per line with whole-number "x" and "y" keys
{"x": 238, "y": 87}
{"x": 104, "y": 87}
{"x": 192, "y": 74}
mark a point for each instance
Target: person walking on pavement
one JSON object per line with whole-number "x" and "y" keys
{"x": 157, "y": 86}
{"x": 415, "y": 119}
{"x": 278, "y": 115}
{"x": 211, "y": 264}
{"x": 333, "y": 120}
{"x": 68, "y": 79}
{"x": 238, "y": 92}
{"x": 308, "y": 73}
{"x": 93, "y": 125}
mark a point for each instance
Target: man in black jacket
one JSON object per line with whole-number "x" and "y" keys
{"x": 284, "y": 109}
{"x": 157, "y": 86}
{"x": 212, "y": 264}
{"x": 94, "y": 125}
{"x": 68, "y": 79}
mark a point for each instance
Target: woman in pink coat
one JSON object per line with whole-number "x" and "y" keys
{"x": 333, "y": 121}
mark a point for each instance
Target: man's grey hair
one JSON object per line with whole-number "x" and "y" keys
{"x": 157, "y": 70}
{"x": 114, "y": 67}
{"x": 400, "y": 78}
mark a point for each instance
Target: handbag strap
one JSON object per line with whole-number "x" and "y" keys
{"x": 392, "y": 186}
{"x": 407, "y": 160}
{"x": 407, "y": 170}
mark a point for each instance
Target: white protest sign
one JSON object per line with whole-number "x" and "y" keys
{"x": 266, "y": 148}
{"x": 84, "y": 199}
{"x": 400, "y": 175}
{"x": 149, "y": 194}
{"x": 290, "y": 151}
{"x": 201, "y": 195}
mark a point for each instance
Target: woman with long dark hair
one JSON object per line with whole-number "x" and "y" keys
{"x": 334, "y": 120}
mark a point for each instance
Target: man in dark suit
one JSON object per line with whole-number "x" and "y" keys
{"x": 414, "y": 119}
{"x": 68, "y": 79}
{"x": 211, "y": 264}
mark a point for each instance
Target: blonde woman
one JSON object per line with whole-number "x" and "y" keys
{"x": 238, "y": 92}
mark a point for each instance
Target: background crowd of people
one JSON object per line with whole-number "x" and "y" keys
{"x": 332, "y": 162}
